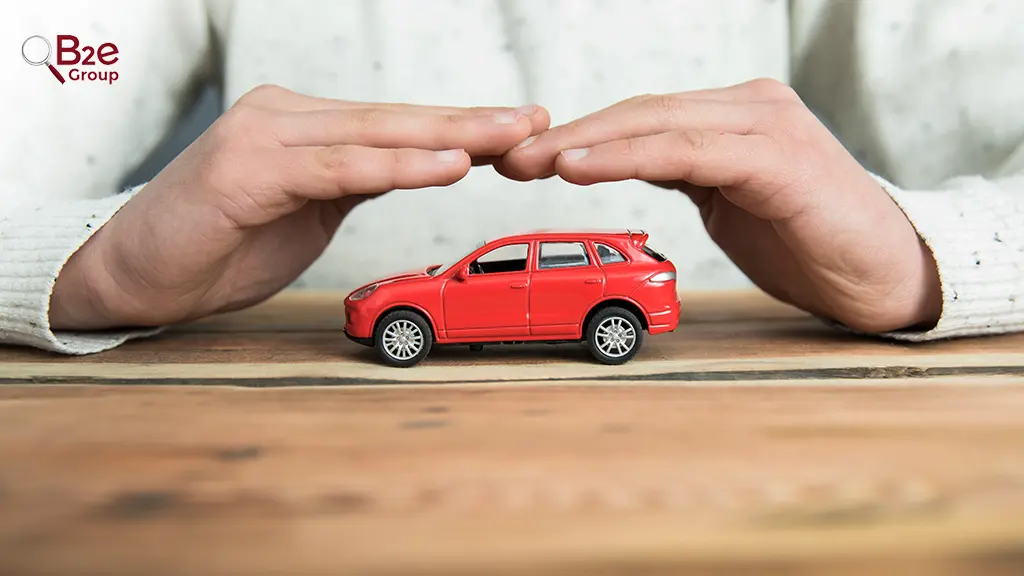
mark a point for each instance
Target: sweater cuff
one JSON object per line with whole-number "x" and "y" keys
{"x": 974, "y": 228}
{"x": 35, "y": 243}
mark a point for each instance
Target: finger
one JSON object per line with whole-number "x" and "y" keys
{"x": 750, "y": 170}
{"x": 270, "y": 97}
{"x": 338, "y": 171}
{"x": 477, "y": 134}
{"x": 642, "y": 116}
{"x": 758, "y": 90}
{"x": 277, "y": 98}
{"x": 702, "y": 158}
{"x": 539, "y": 117}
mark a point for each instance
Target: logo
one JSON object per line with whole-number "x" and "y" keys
{"x": 96, "y": 62}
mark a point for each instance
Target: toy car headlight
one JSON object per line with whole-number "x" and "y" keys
{"x": 363, "y": 293}
{"x": 662, "y": 277}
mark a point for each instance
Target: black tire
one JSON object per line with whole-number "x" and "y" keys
{"x": 607, "y": 352}
{"x": 405, "y": 324}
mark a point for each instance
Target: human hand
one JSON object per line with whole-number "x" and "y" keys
{"x": 777, "y": 192}
{"x": 255, "y": 200}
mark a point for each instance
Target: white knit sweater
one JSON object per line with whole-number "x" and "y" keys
{"x": 925, "y": 92}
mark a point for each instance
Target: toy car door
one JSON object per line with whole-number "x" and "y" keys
{"x": 565, "y": 283}
{"x": 490, "y": 299}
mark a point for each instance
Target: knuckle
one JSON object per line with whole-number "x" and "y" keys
{"x": 453, "y": 119}
{"x": 772, "y": 89}
{"x": 237, "y": 121}
{"x": 640, "y": 99}
{"x": 398, "y": 158}
{"x": 444, "y": 125}
{"x": 784, "y": 121}
{"x": 634, "y": 147}
{"x": 570, "y": 130}
{"x": 263, "y": 95}
{"x": 334, "y": 159}
{"x": 665, "y": 105}
{"x": 694, "y": 140}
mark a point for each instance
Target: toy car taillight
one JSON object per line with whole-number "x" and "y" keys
{"x": 662, "y": 277}
{"x": 363, "y": 293}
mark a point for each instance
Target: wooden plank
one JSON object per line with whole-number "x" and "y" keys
{"x": 748, "y": 442}
{"x": 589, "y": 478}
{"x": 296, "y": 339}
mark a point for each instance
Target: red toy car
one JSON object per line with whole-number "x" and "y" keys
{"x": 602, "y": 288}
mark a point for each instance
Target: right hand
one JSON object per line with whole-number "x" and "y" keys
{"x": 255, "y": 200}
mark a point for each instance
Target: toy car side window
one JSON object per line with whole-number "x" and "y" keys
{"x": 608, "y": 255}
{"x": 562, "y": 255}
{"x": 508, "y": 258}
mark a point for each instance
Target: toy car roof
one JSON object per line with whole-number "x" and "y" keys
{"x": 637, "y": 237}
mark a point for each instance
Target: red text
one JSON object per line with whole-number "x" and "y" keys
{"x": 70, "y": 51}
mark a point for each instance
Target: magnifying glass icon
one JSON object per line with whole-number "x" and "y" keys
{"x": 36, "y": 51}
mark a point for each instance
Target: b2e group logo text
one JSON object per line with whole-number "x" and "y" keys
{"x": 91, "y": 64}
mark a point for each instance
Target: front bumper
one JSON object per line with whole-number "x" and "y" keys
{"x": 359, "y": 340}
{"x": 358, "y": 322}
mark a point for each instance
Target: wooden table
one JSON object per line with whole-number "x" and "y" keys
{"x": 751, "y": 441}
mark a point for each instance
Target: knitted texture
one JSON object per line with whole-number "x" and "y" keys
{"x": 35, "y": 242}
{"x": 975, "y": 230}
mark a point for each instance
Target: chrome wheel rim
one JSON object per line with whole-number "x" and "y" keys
{"x": 615, "y": 336}
{"x": 402, "y": 340}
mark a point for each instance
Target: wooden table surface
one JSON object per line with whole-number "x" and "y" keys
{"x": 751, "y": 441}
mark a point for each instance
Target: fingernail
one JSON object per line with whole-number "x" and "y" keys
{"x": 507, "y": 117}
{"x": 525, "y": 143}
{"x": 449, "y": 156}
{"x": 527, "y": 110}
{"x": 575, "y": 153}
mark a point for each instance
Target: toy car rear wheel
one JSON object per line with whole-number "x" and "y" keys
{"x": 614, "y": 335}
{"x": 402, "y": 339}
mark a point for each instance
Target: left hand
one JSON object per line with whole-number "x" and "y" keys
{"x": 777, "y": 192}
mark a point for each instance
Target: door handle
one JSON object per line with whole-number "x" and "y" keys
{"x": 592, "y": 281}
{"x": 517, "y": 286}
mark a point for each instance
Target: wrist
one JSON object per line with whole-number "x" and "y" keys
{"x": 929, "y": 306}
{"x": 76, "y": 301}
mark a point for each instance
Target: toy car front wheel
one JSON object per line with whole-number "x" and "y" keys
{"x": 402, "y": 339}
{"x": 614, "y": 335}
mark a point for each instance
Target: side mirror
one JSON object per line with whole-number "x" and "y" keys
{"x": 462, "y": 274}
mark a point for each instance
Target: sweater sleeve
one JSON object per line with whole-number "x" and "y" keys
{"x": 67, "y": 146}
{"x": 35, "y": 242}
{"x": 975, "y": 229}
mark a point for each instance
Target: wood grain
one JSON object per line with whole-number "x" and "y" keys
{"x": 533, "y": 478}
{"x": 751, "y": 441}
